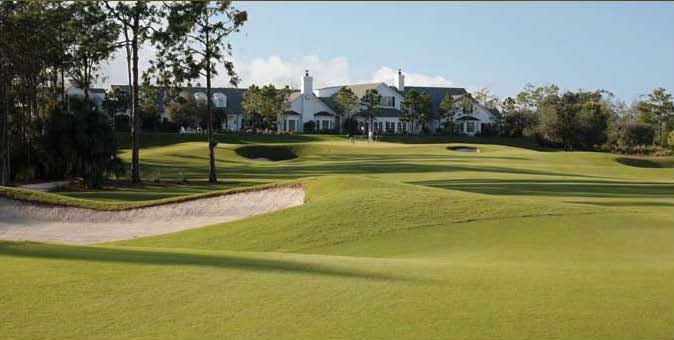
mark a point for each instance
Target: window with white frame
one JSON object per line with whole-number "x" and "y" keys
{"x": 200, "y": 97}
{"x": 470, "y": 127}
{"x": 387, "y": 101}
{"x": 292, "y": 125}
{"x": 220, "y": 100}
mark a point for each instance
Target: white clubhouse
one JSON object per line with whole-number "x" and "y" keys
{"x": 318, "y": 105}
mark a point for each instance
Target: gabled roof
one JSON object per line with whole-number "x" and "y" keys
{"x": 294, "y": 95}
{"x": 436, "y": 93}
{"x": 495, "y": 112}
{"x": 358, "y": 89}
{"x": 329, "y": 102}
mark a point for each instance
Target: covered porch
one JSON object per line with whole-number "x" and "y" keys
{"x": 290, "y": 121}
{"x": 468, "y": 125}
{"x": 326, "y": 121}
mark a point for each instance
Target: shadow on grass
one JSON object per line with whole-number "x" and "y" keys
{"x": 625, "y": 204}
{"x": 454, "y": 157}
{"x": 121, "y": 190}
{"x": 272, "y": 171}
{"x": 167, "y": 258}
{"x": 576, "y": 187}
{"x": 168, "y": 138}
{"x": 660, "y": 162}
{"x": 522, "y": 142}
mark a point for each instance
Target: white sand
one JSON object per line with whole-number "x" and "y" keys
{"x": 44, "y": 186}
{"x": 31, "y": 222}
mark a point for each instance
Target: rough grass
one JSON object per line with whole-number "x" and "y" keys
{"x": 395, "y": 241}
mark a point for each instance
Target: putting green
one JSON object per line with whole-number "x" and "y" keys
{"x": 395, "y": 241}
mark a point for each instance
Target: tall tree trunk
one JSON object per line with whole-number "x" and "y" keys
{"x": 64, "y": 97}
{"x": 212, "y": 176}
{"x": 135, "y": 104}
{"x": 86, "y": 96}
{"x": 4, "y": 132}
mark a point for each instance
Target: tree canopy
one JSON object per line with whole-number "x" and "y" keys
{"x": 263, "y": 105}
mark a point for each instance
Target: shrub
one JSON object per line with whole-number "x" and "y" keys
{"x": 489, "y": 130}
{"x": 82, "y": 144}
{"x": 122, "y": 123}
{"x": 518, "y": 123}
{"x": 310, "y": 127}
{"x": 351, "y": 126}
{"x": 634, "y": 138}
{"x": 168, "y": 126}
{"x": 634, "y": 134}
{"x": 670, "y": 140}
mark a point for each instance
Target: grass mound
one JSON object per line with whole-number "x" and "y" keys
{"x": 46, "y": 198}
{"x": 330, "y": 217}
{"x": 266, "y": 152}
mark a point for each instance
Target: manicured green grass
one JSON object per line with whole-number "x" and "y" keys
{"x": 130, "y": 199}
{"x": 395, "y": 241}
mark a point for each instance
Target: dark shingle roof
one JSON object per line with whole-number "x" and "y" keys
{"x": 323, "y": 113}
{"x": 467, "y": 118}
{"x": 329, "y": 102}
{"x": 436, "y": 93}
{"x": 234, "y": 96}
{"x": 358, "y": 89}
{"x": 495, "y": 112}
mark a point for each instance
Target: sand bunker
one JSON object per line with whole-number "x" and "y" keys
{"x": 30, "y": 222}
{"x": 266, "y": 153}
{"x": 463, "y": 149}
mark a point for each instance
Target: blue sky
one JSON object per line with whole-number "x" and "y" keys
{"x": 627, "y": 48}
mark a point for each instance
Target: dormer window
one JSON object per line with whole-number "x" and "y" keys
{"x": 220, "y": 100}
{"x": 468, "y": 106}
{"x": 200, "y": 97}
{"x": 387, "y": 101}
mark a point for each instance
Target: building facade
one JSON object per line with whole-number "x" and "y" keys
{"x": 318, "y": 106}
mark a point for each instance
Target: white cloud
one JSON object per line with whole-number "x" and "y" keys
{"x": 114, "y": 72}
{"x": 387, "y": 75}
{"x": 280, "y": 72}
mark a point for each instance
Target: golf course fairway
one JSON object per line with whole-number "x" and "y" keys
{"x": 393, "y": 241}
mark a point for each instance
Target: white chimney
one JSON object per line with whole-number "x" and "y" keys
{"x": 400, "y": 81}
{"x": 307, "y": 83}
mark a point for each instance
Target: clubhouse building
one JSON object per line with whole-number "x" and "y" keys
{"x": 318, "y": 105}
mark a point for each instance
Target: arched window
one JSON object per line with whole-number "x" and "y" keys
{"x": 220, "y": 100}
{"x": 200, "y": 97}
